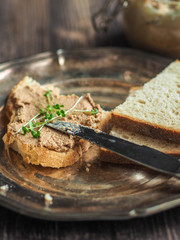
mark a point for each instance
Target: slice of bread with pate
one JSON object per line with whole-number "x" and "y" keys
{"x": 51, "y": 148}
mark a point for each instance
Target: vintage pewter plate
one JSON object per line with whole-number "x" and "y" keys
{"x": 90, "y": 189}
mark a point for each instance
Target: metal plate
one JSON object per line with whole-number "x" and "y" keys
{"x": 90, "y": 189}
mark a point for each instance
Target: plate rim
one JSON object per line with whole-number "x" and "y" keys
{"x": 139, "y": 212}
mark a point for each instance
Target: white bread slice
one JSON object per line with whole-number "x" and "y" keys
{"x": 136, "y": 132}
{"x": 154, "y": 109}
{"x": 52, "y": 149}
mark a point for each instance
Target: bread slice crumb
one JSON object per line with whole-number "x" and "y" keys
{"x": 149, "y": 116}
{"x": 4, "y": 188}
{"x": 48, "y": 199}
{"x": 153, "y": 110}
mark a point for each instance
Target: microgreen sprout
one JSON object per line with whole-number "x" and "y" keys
{"x": 74, "y": 105}
{"x": 50, "y": 113}
{"x": 57, "y": 106}
{"x": 88, "y": 112}
{"x": 48, "y": 95}
{"x": 94, "y": 111}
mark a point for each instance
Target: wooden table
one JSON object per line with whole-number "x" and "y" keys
{"x": 32, "y": 26}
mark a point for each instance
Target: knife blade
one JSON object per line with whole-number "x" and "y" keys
{"x": 141, "y": 154}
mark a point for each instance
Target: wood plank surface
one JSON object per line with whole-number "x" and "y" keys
{"x": 163, "y": 226}
{"x": 29, "y": 27}
{"x": 32, "y": 26}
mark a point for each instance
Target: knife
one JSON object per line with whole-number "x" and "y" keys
{"x": 137, "y": 153}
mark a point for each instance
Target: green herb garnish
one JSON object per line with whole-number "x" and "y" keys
{"x": 50, "y": 113}
{"x": 94, "y": 111}
{"x": 35, "y": 134}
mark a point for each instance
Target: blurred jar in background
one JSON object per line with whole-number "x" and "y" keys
{"x": 152, "y": 25}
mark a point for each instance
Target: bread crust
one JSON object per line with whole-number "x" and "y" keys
{"x": 111, "y": 157}
{"x": 38, "y": 155}
{"x": 144, "y": 128}
{"x": 125, "y": 123}
{"x": 108, "y": 156}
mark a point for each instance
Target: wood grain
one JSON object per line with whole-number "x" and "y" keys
{"x": 32, "y": 26}
{"x": 161, "y": 226}
{"x": 29, "y": 27}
